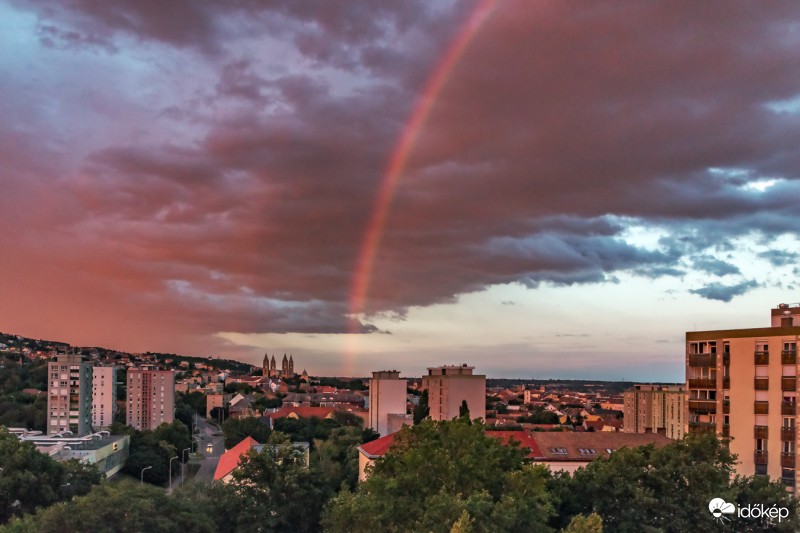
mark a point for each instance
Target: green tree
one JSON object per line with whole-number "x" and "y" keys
{"x": 585, "y": 524}
{"x": 664, "y": 490}
{"x": 277, "y": 491}
{"x": 30, "y": 479}
{"x": 421, "y": 410}
{"x": 437, "y": 471}
{"x": 237, "y": 429}
{"x": 118, "y": 507}
{"x": 463, "y": 410}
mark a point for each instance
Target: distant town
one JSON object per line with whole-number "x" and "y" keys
{"x": 166, "y": 419}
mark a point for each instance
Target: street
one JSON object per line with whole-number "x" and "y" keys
{"x": 210, "y": 446}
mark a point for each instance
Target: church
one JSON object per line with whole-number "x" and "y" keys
{"x": 270, "y": 367}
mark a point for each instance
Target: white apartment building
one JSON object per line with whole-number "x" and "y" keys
{"x": 387, "y": 396}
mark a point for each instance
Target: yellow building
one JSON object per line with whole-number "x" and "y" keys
{"x": 743, "y": 384}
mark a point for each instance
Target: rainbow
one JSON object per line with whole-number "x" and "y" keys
{"x": 397, "y": 160}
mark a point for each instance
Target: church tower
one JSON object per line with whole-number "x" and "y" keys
{"x": 265, "y": 366}
{"x": 273, "y": 368}
{"x": 285, "y": 367}
{"x": 291, "y": 366}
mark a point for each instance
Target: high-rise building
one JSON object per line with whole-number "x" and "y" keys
{"x": 449, "y": 386}
{"x": 655, "y": 409}
{"x": 387, "y": 396}
{"x": 743, "y": 384}
{"x": 151, "y": 398}
{"x": 104, "y": 396}
{"x": 69, "y": 395}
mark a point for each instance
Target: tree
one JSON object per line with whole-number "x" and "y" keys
{"x": 585, "y": 524}
{"x": 119, "y": 507}
{"x": 437, "y": 471}
{"x": 463, "y": 410}
{"x": 277, "y": 491}
{"x": 667, "y": 489}
{"x": 31, "y": 479}
{"x": 421, "y": 410}
{"x": 237, "y": 429}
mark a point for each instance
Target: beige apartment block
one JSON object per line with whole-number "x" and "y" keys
{"x": 449, "y": 386}
{"x": 743, "y": 385}
{"x": 387, "y": 396}
{"x": 651, "y": 408}
{"x": 104, "y": 396}
{"x": 69, "y": 395}
{"x": 151, "y": 398}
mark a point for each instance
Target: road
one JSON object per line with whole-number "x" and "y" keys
{"x": 210, "y": 446}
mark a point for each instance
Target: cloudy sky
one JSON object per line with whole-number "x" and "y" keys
{"x": 541, "y": 189}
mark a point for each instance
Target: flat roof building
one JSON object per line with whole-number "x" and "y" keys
{"x": 151, "y": 398}
{"x": 69, "y": 395}
{"x": 742, "y": 385}
{"x": 449, "y": 386}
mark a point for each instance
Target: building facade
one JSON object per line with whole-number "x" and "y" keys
{"x": 69, "y": 395}
{"x": 104, "y": 396}
{"x": 655, "y": 409}
{"x": 387, "y": 396}
{"x": 151, "y": 398}
{"x": 742, "y": 384}
{"x": 449, "y": 386}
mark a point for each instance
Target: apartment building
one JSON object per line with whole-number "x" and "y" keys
{"x": 651, "y": 408}
{"x": 151, "y": 398}
{"x": 104, "y": 396}
{"x": 449, "y": 386}
{"x": 742, "y": 384}
{"x": 69, "y": 395}
{"x": 387, "y": 396}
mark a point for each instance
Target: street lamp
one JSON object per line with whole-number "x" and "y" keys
{"x": 142, "y": 477}
{"x": 183, "y": 464}
{"x": 170, "y": 473}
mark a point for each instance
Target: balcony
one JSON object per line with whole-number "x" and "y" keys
{"x": 789, "y": 357}
{"x": 706, "y": 359}
{"x": 726, "y": 431}
{"x": 702, "y": 427}
{"x": 789, "y": 384}
{"x": 702, "y": 383}
{"x": 726, "y": 407}
{"x": 761, "y": 408}
{"x": 726, "y": 382}
{"x": 762, "y": 358}
{"x": 726, "y": 359}
{"x": 703, "y": 406}
{"x": 761, "y": 432}
{"x": 760, "y": 458}
{"x": 787, "y": 409}
{"x": 787, "y": 460}
{"x": 788, "y": 481}
{"x": 761, "y": 383}
{"x": 788, "y": 434}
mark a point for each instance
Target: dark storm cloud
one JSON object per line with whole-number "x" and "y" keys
{"x": 230, "y": 189}
{"x": 724, "y": 293}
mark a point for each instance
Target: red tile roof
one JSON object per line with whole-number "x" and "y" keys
{"x": 378, "y": 447}
{"x": 231, "y": 459}
{"x": 522, "y": 437}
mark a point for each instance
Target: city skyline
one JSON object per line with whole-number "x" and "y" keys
{"x": 531, "y": 188}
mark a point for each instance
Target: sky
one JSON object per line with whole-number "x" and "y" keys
{"x": 539, "y": 189}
